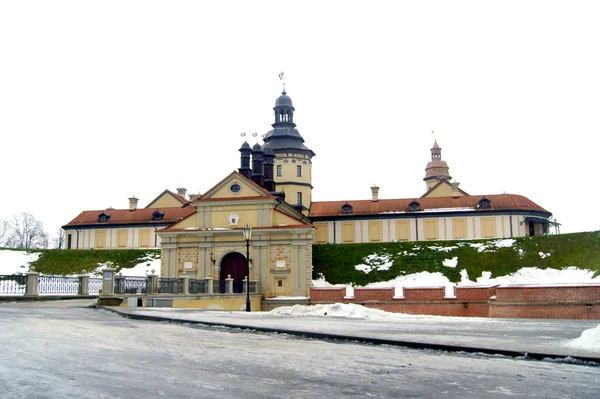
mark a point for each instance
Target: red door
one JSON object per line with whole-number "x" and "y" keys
{"x": 234, "y": 265}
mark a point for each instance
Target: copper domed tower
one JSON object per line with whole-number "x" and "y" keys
{"x": 436, "y": 169}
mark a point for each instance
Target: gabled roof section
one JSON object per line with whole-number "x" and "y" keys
{"x": 223, "y": 190}
{"x": 125, "y": 217}
{"x": 441, "y": 182}
{"x": 497, "y": 202}
{"x": 167, "y": 194}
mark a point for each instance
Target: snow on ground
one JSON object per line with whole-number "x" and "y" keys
{"x": 589, "y": 339}
{"x": 342, "y": 310}
{"x": 450, "y": 262}
{"x": 12, "y": 262}
{"x": 140, "y": 270}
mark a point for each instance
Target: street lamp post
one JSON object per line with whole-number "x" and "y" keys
{"x": 247, "y": 235}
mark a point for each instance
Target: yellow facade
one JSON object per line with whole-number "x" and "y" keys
{"x": 203, "y": 244}
{"x": 431, "y": 229}
{"x": 459, "y": 228}
{"x": 375, "y": 232}
{"x": 348, "y": 232}
{"x": 488, "y": 227}
{"x": 322, "y": 233}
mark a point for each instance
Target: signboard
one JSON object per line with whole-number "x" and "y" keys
{"x": 108, "y": 275}
{"x": 188, "y": 265}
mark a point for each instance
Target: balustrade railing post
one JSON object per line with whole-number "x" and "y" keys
{"x": 84, "y": 285}
{"x": 32, "y": 284}
{"x": 229, "y": 282}
{"x": 256, "y": 285}
{"x": 209, "y": 282}
{"x": 108, "y": 282}
{"x": 186, "y": 285}
{"x": 153, "y": 283}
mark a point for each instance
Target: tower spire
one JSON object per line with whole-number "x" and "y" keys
{"x": 282, "y": 78}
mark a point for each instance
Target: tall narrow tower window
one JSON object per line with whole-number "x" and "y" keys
{"x": 298, "y": 170}
{"x": 299, "y": 198}
{"x": 279, "y": 170}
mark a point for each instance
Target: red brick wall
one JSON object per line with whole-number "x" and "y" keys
{"x": 545, "y": 311}
{"x": 333, "y": 294}
{"x": 518, "y": 301}
{"x": 373, "y": 294}
{"x": 437, "y": 309}
{"x": 530, "y": 293}
{"x": 474, "y": 293}
{"x": 424, "y": 294}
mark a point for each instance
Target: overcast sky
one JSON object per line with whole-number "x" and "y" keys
{"x": 103, "y": 100}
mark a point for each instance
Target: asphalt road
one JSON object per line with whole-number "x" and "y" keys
{"x": 64, "y": 350}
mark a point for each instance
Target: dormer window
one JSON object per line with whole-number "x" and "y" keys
{"x": 103, "y": 217}
{"x": 483, "y": 203}
{"x": 346, "y": 209}
{"x": 414, "y": 206}
{"x": 157, "y": 215}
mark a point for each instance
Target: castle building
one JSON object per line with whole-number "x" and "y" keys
{"x": 271, "y": 192}
{"x": 443, "y": 212}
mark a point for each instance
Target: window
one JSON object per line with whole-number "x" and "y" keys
{"x": 414, "y": 206}
{"x": 484, "y": 203}
{"x": 157, "y": 215}
{"x": 279, "y": 170}
{"x": 69, "y": 240}
{"x": 299, "y": 170}
{"x": 235, "y": 188}
{"x": 103, "y": 217}
{"x": 346, "y": 209}
{"x": 299, "y": 198}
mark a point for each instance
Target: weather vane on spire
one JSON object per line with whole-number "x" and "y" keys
{"x": 282, "y": 78}
{"x": 433, "y": 134}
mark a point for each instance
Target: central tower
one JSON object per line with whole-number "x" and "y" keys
{"x": 293, "y": 160}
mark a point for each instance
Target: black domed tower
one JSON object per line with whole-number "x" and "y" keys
{"x": 293, "y": 160}
{"x": 245, "y": 169}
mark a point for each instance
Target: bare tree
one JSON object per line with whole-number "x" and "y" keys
{"x": 59, "y": 240}
{"x": 27, "y": 232}
{"x": 4, "y": 233}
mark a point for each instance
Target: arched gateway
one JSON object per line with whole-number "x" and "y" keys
{"x": 234, "y": 265}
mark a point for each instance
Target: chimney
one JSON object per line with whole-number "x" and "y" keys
{"x": 133, "y": 203}
{"x": 268, "y": 157}
{"x": 455, "y": 192}
{"x": 181, "y": 192}
{"x": 194, "y": 196}
{"x": 257, "y": 165}
{"x": 375, "y": 193}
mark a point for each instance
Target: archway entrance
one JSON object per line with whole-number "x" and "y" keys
{"x": 234, "y": 265}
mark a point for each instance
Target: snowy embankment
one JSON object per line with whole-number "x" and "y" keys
{"x": 17, "y": 262}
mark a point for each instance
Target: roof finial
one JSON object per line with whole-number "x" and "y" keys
{"x": 256, "y": 136}
{"x": 282, "y": 78}
{"x": 244, "y": 136}
{"x": 433, "y": 134}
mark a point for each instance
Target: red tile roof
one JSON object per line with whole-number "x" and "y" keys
{"x": 440, "y": 204}
{"x": 127, "y": 217}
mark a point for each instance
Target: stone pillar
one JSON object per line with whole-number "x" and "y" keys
{"x": 108, "y": 282}
{"x": 32, "y": 284}
{"x": 209, "y": 282}
{"x": 153, "y": 283}
{"x": 84, "y": 285}
{"x": 186, "y": 285}
{"x": 229, "y": 282}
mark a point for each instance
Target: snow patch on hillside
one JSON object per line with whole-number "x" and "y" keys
{"x": 16, "y": 262}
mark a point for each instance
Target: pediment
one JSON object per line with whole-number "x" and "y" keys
{"x": 235, "y": 186}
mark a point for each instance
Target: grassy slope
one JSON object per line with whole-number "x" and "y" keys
{"x": 336, "y": 262}
{"x": 64, "y": 262}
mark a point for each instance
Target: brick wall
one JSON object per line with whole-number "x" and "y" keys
{"x": 506, "y": 301}
{"x": 474, "y": 292}
{"x": 333, "y": 294}
{"x": 373, "y": 294}
{"x": 424, "y": 293}
{"x": 531, "y": 293}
